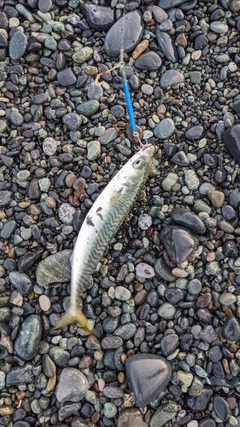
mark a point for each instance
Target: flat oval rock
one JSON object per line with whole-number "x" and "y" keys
{"x": 147, "y": 376}
{"x": 188, "y": 219}
{"x": 149, "y": 61}
{"x": 231, "y": 140}
{"x": 221, "y": 408}
{"x": 166, "y": 45}
{"x": 125, "y": 34}
{"x": 29, "y": 336}
{"x": 179, "y": 242}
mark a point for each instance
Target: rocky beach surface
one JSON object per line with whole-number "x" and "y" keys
{"x": 165, "y": 301}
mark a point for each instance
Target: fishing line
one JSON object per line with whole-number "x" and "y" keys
{"x": 121, "y": 65}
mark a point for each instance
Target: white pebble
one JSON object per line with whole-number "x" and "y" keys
{"x": 145, "y": 270}
{"x": 145, "y": 221}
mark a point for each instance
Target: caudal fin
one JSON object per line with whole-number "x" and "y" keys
{"x": 76, "y": 316}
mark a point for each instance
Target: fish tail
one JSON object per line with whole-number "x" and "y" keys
{"x": 76, "y": 315}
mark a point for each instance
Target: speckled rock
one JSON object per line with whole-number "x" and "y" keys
{"x": 54, "y": 268}
{"x": 72, "y": 386}
{"x": 179, "y": 242}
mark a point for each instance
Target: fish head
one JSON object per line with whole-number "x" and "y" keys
{"x": 137, "y": 168}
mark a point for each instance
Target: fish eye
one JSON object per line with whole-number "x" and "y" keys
{"x": 138, "y": 164}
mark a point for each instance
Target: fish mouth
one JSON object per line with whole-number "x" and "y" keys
{"x": 148, "y": 150}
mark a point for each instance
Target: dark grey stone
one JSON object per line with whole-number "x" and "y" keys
{"x": 8, "y": 229}
{"x": 234, "y": 198}
{"x": 221, "y": 408}
{"x": 188, "y": 219}
{"x": 148, "y": 61}
{"x": 168, "y": 4}
{"x": 28, "y": 338}
{"x": 101, "y": 18}
{"x": 231, "y": 329}
{"x": 17, "y": 45}
{"x": 20, "y": 375}
{"x": 125, "y": 34}
{"x": 199, "y": 403}
{"x": 231, "y": 140}
{"x": 147, "y": 376}
{"x": 215, "y": 353}
{"x": 169, "y": 343}
{"x": 72, "y": 121}
{"x": 180, "y": 159}
{"x": 166, "y": 45}
{"x": 194, "y": 133}
{"x": 21, "y": 282}
{"x": 72, "y": 386}
{"x": 179, "y": 242}
{"x": 66, "y": 77}
{"x": 88, "y": 108}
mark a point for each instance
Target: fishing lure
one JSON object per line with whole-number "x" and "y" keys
{"x": 101, "y": 224}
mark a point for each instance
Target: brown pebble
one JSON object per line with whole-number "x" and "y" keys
{"x": 70, "y": 179}
{"x": 101, "y": 384}
{"x": 181, "y": 39}
{"x": 44, "y": 302}
{"x": 204, "y": 300}
{"x": 141, "y": 47}
{"x": 210, "y": 256}
{"x": 138, "y": 286}
{"x": 90, "y": 70}
{"x": 85, "y": 362}
{"x": 140, "y": 297}
{"x": 179, "y": 272}
{"x": 95, "y": 417}
{"x": 50, "y": 202}
{"x": 226, "y": 227}
{"x": 226, "y": 366}
{"x": 162, "y": 325}
{"x": 6, "y": 410}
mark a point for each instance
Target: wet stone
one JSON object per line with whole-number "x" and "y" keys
{"x": 207, "y": 422}
{"x": 126, "y": 331}
{"x": 66, "y": 77}
{"x": 28, "y": 338}
{"x": 122, "y": 294}
{"x": 144, "y": 270}
{"x": 54, "y": 268}
{"x": 99, "y": 18}
{"x": 221, "y": 408}
{"x": 8, "y": 229}
{"x": 215, "y": 353}
{"x": 179, "y": 242}
{"x": 164, "y": 129}
{"x": 166, "y": 45}
{"x": 199, "y": 403}
{"x": 21, "y": 282}
{"x": 117, "y": 38}
{"x": 17, "y": 45}
{"x": 108, "y": 136}
{"x": 174, "y": 295}
{"x": 88, "y": 108}
{"x": 180, "y": 159}
{"x": 188, "y": 219}
{"x": 231, "y": 140}
{"x": 171, "y": 78}
{"x": 72, "y": 121}
{"x": 194, "y": 133}
{"x": 163, "y": 270}
{"x": 20, "y": 375}
{"x": 72, "y": 386}
{"x": 169, "y": 343}
{"x": 231, "y": 329}
{"x": 59, "y": 356}
{"x": 93, "y": 150}
{"x": 147, "y": 375}
{"x": 164, "y": 414}
{"x": 167, "y": 311}
{"x": 208, "y": 334}
{"x": 148, "y": 61}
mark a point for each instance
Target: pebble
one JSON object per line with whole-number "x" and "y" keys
{"x": 147, "y": 375}
{"x": 179, "y": 242}
{"x": 21, "y": 282}
{"x": 164, "y": 414}
{"x": 131, "y": 417}
{"x": 72, "y": 121}
{"x": 164, "y": 129}
{"x": 144, "y": 270}
{"x": 167, "y": 311}
{"x": 171, "y": 78}
{"x": 88, "y": 108}
{"x": 231, "y": 329}
{"x": 166, "y": 45}
{"x": 28, "y": 338}
{"x": 221, "y": 408}
{"x": 148, "y": 61}
{"x": 72, "y": 386}
{"x": 116, "y": 37}
{"x": 100, "y": 18}
{"x": 54, "y": 268}
{"x": 17, "y": 45}
{"x": 188, "y": 219}
{"x": 231, "y": 141}
{"x": 93, "y": 150}
{"x": 169, "y": 343}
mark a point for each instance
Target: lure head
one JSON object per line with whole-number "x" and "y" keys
{"x": 138, "y": 167}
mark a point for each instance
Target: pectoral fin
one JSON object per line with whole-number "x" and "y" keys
{"x": 76, "y": 316}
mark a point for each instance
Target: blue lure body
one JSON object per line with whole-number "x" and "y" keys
{"x": 129, "y": 105}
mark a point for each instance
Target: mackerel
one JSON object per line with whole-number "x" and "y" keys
{"x": 100, "y": 225}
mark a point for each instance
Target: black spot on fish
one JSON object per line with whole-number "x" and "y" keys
{"x": 89, "y": 221}
{"x": 99, "y": 209}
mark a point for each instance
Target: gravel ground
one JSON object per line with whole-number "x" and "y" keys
{"x": 165, "y": 302}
